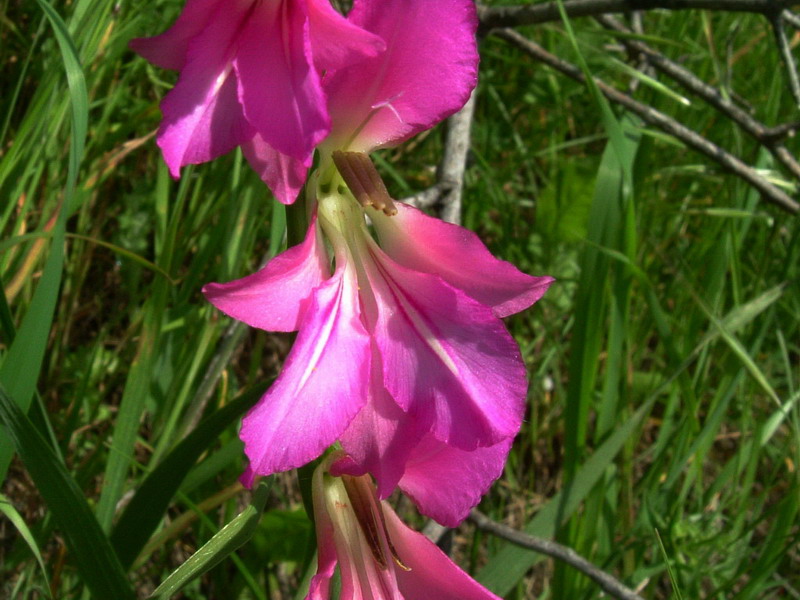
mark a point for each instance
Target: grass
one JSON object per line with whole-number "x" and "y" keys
{"x": 663, "y": 437}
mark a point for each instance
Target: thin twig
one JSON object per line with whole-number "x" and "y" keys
{"x": 791, "y": 18}
{"x": 658, "y": 119}
{"x": 428, "y": 197}
{"x": 608, "y": 583}
{"x": 769, "y": 137}
{"x": 445, "y": 194}
{"x": 786, "y": 54}
{"x": 531, "y": 14}
{"x": 454, "y": 161}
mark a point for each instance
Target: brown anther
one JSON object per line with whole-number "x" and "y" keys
{"x": 364, "y": 181}
{"x": 369, "y": 513}
{"x": 395, "y": 556}
{"x": 359, "y": 495}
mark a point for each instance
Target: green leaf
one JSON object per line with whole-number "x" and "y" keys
{"x": 20, "y": 370}
{"x": 6, "y": 320}
{"x": 511, "y": 563}
{"x": 228, "y": 539}
{"x": 96, "y": 561}
{"x": 147, "y": 507}
{"x": 17, "y": 521}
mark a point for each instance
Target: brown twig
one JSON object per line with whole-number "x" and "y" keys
{"x": 769, "y": 137}
{"x": 531, "y": 14}
{"x": 776, "y": 20}
{"x": 658, "y": 119}
{"x": 608, "y": 583}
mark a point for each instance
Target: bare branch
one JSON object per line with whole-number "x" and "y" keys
{"x": 658, "y": 119}
{"x": 454, "y": 162}
{"x": 791, "y": 18}
{"x": 769, "y": 137}
{"x": 608, "y": 583}
{"x": 445, "y": 194}
{"x": 786, "y": 54}
{"x": 531, "y": 14}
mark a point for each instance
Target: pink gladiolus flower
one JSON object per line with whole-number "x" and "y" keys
{"x": 426, "y": 74}
{"x": 250, "y": 76}
{"x": 401, "y": 354}
{"x": 379, "y": 557}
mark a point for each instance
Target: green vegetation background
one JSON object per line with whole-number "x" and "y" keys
{"x": 663, "y": 438}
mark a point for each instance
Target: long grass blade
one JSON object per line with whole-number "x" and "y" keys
{"x": 228, "y": 539}
{"x": 147, "y": 507}
{"x": 20, "y": 369}
{"x": 19, "y": 523}
{"x": 90, "y": 549}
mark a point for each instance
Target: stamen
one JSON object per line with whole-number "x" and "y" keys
{"x": 395, "y": 556}
{"x": 364, "y": 181}
{"x": 369, "y": 511}
{"x": 360, "y": 502}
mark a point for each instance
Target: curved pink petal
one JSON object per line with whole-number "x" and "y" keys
{"x": 169, "y": 49}
{"x": 469, "y": 475}
{"x": 446, "y": 357}
{"x": 203, "y": 118}
{"x": 432, "y": 574}
{"x": 276, "y": 297}
{"x": 426, "y": 74}
{"x": 319, "y": 589}
{"x": 278, "y": 85}
{"x": 335, "y": 41}
{"x": 322, "y": 385}
{"x": 458, "y": 256}
{"x": 284, "y": 175}
{"x": 380, "y": 438}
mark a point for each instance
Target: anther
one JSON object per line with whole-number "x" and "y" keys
{"x": 362, "y": 507}
{"x": 364, "y": 181}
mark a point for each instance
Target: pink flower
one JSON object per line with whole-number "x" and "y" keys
{"x": 379, "y": 557}
{"x": 401, "y": 354}
{"x": 250, "y": 76}
{"x": 427, "y": 72}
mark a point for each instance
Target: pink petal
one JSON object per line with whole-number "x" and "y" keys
{"x": 284, "y": 175}
{"x": 446, "y": 357}
{"x": 202, "y": 115}
{"x": 276, "y": 297}
{"x": 469, "y": 475}
{"x": 381, "y": 438}
{"x": 335, "y": 41}
{"x": 425, "y": 75}
{"x": 319, "y": 589}
{"x": 432, "y": 574}
{"x": 247, "y": 478}
{"x": 322, "y": 386}
{"x": 458, "y": 256}
{"x": 169, "y": 49}
{"x": 278, "y": 85}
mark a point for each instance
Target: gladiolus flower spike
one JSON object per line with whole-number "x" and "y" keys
{"x": 401, "y": 354}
